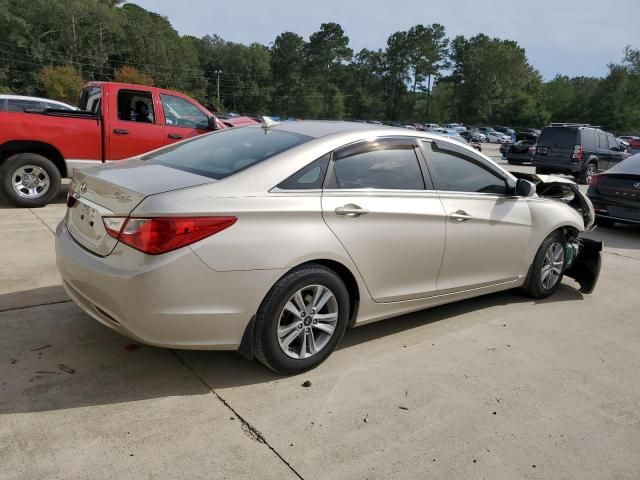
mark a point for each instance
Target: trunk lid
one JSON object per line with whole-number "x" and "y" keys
{"x": 557, "y": 144}
{"x": 115, "y": 190}
{"x": 624, "y": 187}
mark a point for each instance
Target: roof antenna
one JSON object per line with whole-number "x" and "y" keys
{"x": 269, "y": 122}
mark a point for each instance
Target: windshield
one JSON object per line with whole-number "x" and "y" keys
{"x": 226, "y": 152}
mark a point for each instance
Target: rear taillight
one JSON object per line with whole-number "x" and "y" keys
{"x": 154, "y": 236}
{"x": 577, "y": 152}
{"x": 593, "y": 180}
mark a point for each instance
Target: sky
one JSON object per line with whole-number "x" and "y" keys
{"x": 568, "y": 37}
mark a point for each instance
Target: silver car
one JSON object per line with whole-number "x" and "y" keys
{"x": 273, "y": 240}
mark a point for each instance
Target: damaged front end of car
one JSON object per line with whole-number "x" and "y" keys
{"x": 583, "y": 255}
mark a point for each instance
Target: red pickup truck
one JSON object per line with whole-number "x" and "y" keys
{"x": 115, "y": 121}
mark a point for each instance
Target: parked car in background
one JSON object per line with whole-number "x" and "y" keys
{"x": 494, "y": 136}
{"x": 576, "y": 149}
{"x": 431, "y": 126}
{"x": 519, "y": 152}
{"x": 326, "y": 200}
{"x": 633, "y": 141}
{"x": 509, "y": 132}
{"x": 115, "y": 121}
{"x": 473, "y": 136}
{"x": 624, "y": 144}
{"x": 20, "y": 103}
{"x": 480, "y": 136}
{"x": 616, "y": 193}
{"x": 455, "y": 126}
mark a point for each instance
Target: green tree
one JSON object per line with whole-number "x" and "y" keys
{"x": 287, "y": 63}
{"x": 325, "y": 53}
{"x": 62, "y": 83}
{"x": 132, "y": 75}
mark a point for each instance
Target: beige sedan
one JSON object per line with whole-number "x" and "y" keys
{"x": 272, "y": 240}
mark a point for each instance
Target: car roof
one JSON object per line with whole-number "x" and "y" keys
{"x": 323, "y": 128}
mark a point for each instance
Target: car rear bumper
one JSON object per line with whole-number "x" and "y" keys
{"x": 172, "y": 300}
{"x": 556, "y": 166}
{"x": 618, "y": 210}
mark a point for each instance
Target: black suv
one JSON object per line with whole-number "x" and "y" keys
{"x": 578, "y": 150}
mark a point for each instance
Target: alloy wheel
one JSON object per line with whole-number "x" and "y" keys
{"x": 552, "y": 265}
{"x": 307, "y": 321}
{"x": 591, "y": 171}
{"x": 30, "y": 181}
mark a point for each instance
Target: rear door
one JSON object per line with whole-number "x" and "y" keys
{"x": 182, "y": 119}
{"x": 379, "y": 204}
{"x": 133, "y": 126}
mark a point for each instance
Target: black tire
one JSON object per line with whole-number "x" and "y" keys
{"x": 586, "y": 173}
{"x": 10, "y": 167}
{"x": 605, "y": 222}
{"x": 266, "y": 345}
{"x": 533, "y": 286}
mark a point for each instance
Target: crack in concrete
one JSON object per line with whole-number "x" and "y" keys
{"x": 42, "y": 221}
{"x": 247, "y": 428}
{"x": 13, "y": 309}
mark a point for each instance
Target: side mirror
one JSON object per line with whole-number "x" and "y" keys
{"x": 525, "y": 188}
{"x": 212, "y": 123}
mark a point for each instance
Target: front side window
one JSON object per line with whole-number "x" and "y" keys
{"x": 381, "y": 165}
{"x": 179, "y": 112}
{"x": 135, "y": 106}
{"x": 226, "y": 152}
{"x": 457, "y": 173}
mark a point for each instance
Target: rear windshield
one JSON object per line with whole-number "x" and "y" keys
{"x": 630, "y": 166}
{"x": 226, "y": 152}
{"x": 558, "y": 137}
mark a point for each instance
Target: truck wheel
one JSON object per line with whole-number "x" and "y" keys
{"x": 584, "y": 177}
{"x": 29, "y": 180}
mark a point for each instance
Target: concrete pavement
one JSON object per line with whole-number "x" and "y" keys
{"x": 498, "y": 387}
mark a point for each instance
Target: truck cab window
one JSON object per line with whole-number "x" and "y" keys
{"x": 135, "y": 106}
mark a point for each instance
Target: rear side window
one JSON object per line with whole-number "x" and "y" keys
{"x": 589, "y": 139}
{"x": 90, "y": 99}
{"x": 558, "y": 137}
{"x": 15, "y": 105}
{"x": 220, "y": 154}
{"x": 603, "y": 143}
{"x": 382, "y": 165}
{"x": 613, "y": 143}
{"x": 457, "y": 173}
{"x": 135, "y": 106}
{"x": 310, "y": 177}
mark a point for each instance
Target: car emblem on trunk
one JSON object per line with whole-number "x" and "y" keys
{"x": 83, "y": 187}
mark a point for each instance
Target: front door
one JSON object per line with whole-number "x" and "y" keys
{"x": 487, "y": 229}
{"x": 182, "y": 119}
{"x": 134, "y": 128}
{"x": 377, "y": 204}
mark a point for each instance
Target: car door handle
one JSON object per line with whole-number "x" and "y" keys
{"x": 120, "y": 131}
{"x": 175, "y": 136}
{"x": 351, "y": 210}
{"x": 460, "y": 216}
